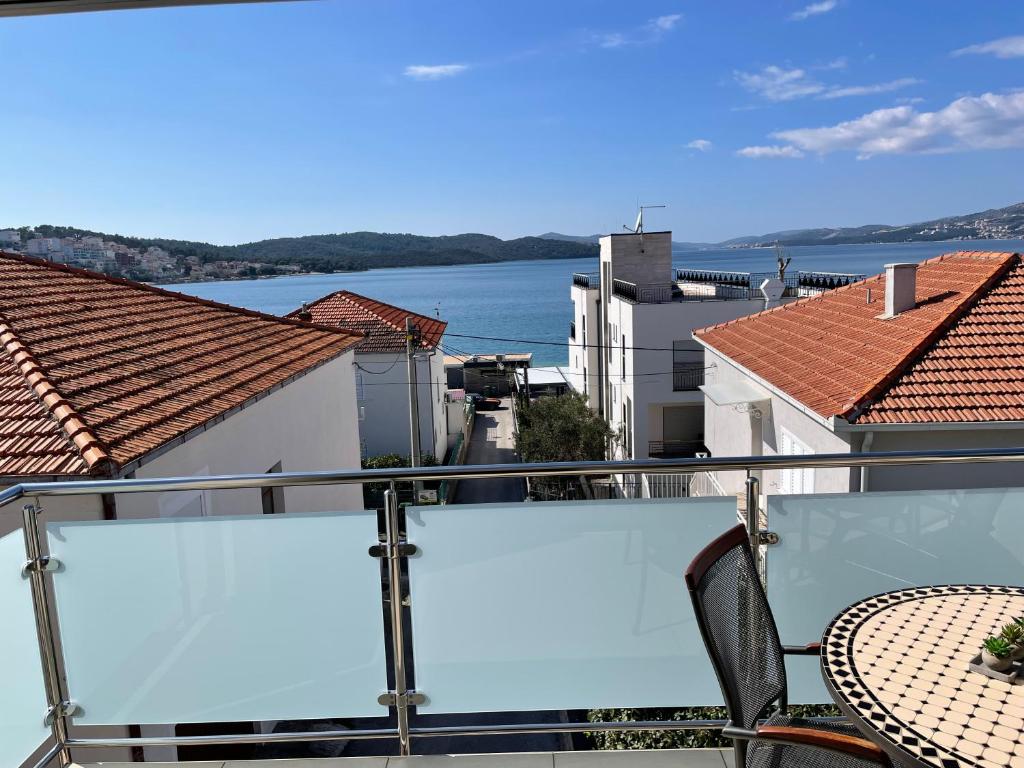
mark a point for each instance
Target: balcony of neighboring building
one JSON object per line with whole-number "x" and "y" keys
{"x": 590, "y": 281}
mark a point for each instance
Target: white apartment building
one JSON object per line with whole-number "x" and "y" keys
{"x": 44, "y": 246}
{"x": 631, "y": 343}
{"x": 10, "y": 237}
{"x": 924, "y": 357}
{"x": 382, "y": 374}
{"x": 632, "y": 348}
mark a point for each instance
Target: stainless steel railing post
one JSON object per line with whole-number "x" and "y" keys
{"x": 401, "y": 700}
{"x": 754, "y": 520}
{"x": 34, "y": 569}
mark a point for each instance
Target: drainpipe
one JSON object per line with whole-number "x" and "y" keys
{"x": 865, "y": 447}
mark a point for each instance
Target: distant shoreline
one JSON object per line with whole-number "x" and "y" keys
{"x": 736, "y": 248}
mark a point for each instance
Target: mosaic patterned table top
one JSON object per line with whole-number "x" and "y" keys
{"x": 897, "y": 663}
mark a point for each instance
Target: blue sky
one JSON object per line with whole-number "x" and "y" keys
{"x": 239, "y": 122}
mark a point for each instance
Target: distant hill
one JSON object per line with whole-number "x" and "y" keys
{"x": 998, "y": 223}
{"x": 356, "y": 250}
{"x": 595, "y": 238}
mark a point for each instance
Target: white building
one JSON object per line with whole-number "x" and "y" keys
{"x": 631, "y": 342}
{"x": 924, "y": 357}
{"x": 382, "y": 375}
{"x": 108, "y": 379}
{"x": 10, "y": 237}
{"x": 44, "y": 246}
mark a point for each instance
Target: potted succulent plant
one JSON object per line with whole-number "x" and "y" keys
{"x": 1013, "y": 633}
{"x": 995, "y": 654}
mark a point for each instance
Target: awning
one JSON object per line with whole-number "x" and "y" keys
{"x": 36, "y": 7}
{"x": 734, "y": 393}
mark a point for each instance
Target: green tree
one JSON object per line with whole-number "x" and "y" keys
{"x": 561, "y": 429}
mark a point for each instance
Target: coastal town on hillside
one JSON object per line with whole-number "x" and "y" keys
{"x": 150, "y": 264}
{"x": 624, "y": 494}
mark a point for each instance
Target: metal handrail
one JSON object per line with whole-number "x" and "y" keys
{"x": 537, "y": 469}
{"x": 403, "y": 731}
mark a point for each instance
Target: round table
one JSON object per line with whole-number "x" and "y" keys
{"x": 897, "y": 666}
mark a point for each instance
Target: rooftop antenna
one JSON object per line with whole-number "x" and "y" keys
{"x": 638, "y": 228}
{"x": 782, "y": 259}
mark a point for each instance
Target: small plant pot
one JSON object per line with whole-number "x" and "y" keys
{"x": 995, "y": 663}
{"x": 1017, "y": 654}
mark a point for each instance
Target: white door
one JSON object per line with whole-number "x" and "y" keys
{"x": 795, "y": 480}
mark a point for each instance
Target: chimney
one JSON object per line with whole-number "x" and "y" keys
{"x": 900, "y": 288}
{"x": 304, "y": 313}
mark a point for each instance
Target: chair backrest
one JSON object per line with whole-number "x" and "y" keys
{"x": 737, "y": 626}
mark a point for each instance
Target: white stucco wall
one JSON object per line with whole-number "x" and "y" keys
{"x": 584, "y": 350}
{"x": 655, "y": 327}
{"x": 385, "y": 403}
{"x": 997, "y": 475}
{"x": 729, "y": 431}
{"x": 307, "y": 425}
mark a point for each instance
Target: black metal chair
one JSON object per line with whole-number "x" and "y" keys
{"x": 743, "y": 643}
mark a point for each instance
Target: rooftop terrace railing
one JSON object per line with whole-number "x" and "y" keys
{"x": 587, "y": 279}
{"x": 798, "y": 283}
{"x": 425, "y": 609}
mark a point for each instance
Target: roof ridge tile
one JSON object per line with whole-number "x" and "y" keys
{"x": 92, "y": 450}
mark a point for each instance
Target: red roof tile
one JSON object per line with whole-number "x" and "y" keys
{"x": 957, "y": 356}
{"x": 96, "y": 372}
{"x": 384, "y": 324}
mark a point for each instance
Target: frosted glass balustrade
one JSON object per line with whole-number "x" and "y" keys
{"x": 563, "y": 605}
{"x": 836, "y": 549}
{"x": 22, "y": 691}
{"x": 221, "y": 619}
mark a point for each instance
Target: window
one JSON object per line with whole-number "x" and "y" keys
{"x": 622, "y": 357}
{"x": 273, "y": 498}
{"x": 627, "y": 412}
{"x": 584, "y": 332}
{"x": 360, "y": 390}
{"x": 794, "y": 480}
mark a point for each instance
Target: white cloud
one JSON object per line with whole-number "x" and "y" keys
{"x": 989, "y": 121}
{"x": 701, "y": 145}
{"x": 645, "y": 34}
{"x": 612, "y": 40}
{"x": 772, "y": 151}
{"x": 777, "y": 84}
{"x": 839, "y": 63}
{"x": 839, "y": 92}
{"x": 434, "y": 71}
{"x": 667, "y": 22}
{"x": 1003, "y": 48}
{"x": 814, "y": 9}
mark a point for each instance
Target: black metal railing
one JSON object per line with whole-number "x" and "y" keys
{"x": 587, "y": 279}
{"x": 815, "y": 281}
{"x": 674, "y": 449}
{"x": 641, "y": 294}
{"x": 687, "y": 377}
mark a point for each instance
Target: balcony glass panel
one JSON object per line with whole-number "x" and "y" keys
{"x": 221, "y": 619}
{"x": 560, "y": 605}
{"x": 836, "y": 549}
{"x": 22, "y": 692}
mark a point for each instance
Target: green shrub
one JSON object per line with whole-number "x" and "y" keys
{"x": 676, "y": 739}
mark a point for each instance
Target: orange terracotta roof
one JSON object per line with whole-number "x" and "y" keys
{"x": 383, "y": 324}
{"x": 96, "y": 372}
{"x": 958, "y": 356}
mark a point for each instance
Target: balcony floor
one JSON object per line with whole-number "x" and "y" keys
{"x": 652, "y": 758}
